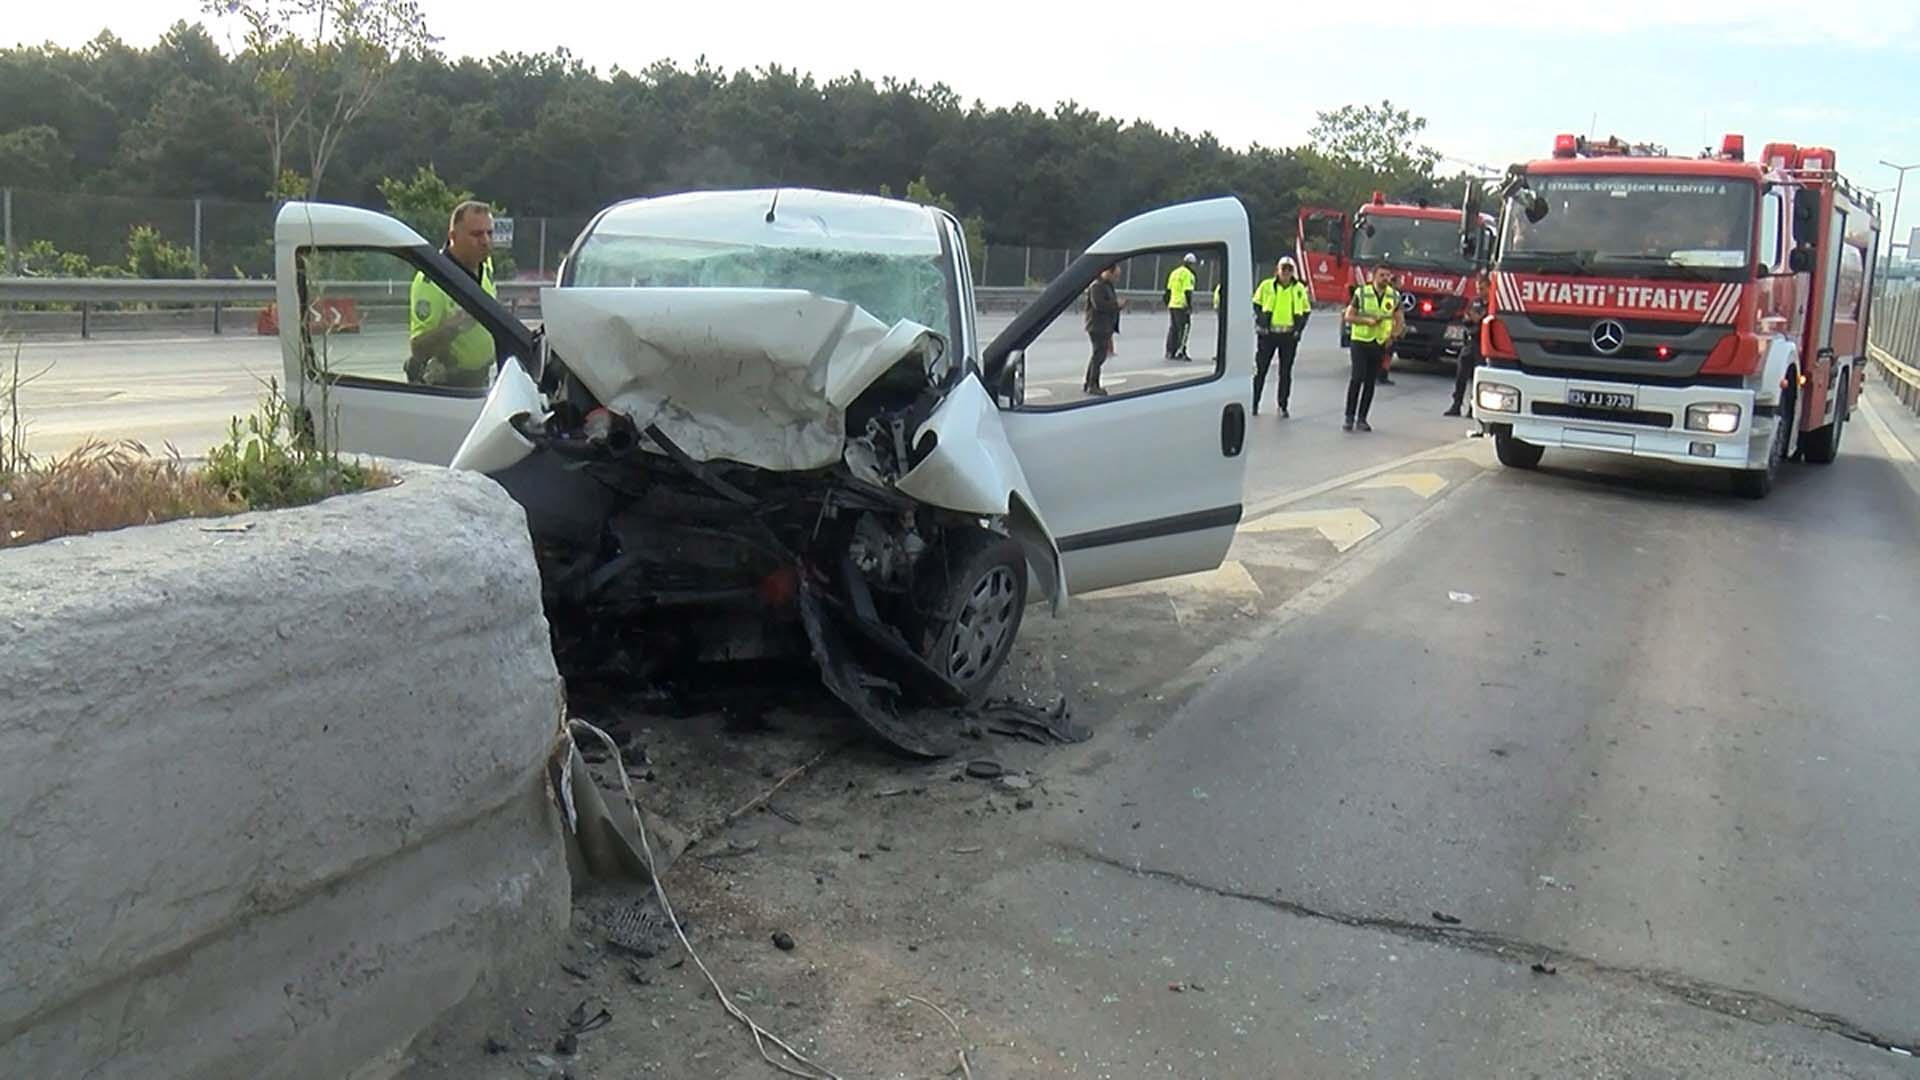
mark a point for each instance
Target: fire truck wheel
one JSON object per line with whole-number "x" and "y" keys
{"x": 1822, "y": 446}
{"x": 1516, "y": 454}
{"x": 1758, "y": 483}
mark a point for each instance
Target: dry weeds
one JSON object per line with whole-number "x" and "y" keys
{"x": 102, "y": 486}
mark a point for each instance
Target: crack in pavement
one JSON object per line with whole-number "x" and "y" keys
{"x": 1739, "y": 1004}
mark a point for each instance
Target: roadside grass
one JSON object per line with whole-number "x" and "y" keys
{"x": 264, "y": 464}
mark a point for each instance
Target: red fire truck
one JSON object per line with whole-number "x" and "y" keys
{"x": 1418, "y": 243}
{"x": 1708, "y": 310}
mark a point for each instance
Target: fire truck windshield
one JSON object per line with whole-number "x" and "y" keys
{"x": 1414, "y": 242}
{"x": 1639, "y": 226}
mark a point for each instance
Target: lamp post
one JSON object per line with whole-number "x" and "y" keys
{"x": 1893, "y": 219}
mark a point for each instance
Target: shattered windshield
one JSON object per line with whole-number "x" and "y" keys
{"x": 1657, "y": 226}
{"x": 889, "y": 286}
{"x": 1413, "y": 242}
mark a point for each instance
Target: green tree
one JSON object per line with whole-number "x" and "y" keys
{"x": 1359, "y": 149}
{"x": 183, "y": 147}
{"x": 35, "y": 157}
{"x": 316, "y": 67}
{"x": 149, "y": 255}
{"x": 972, "y": 227}
{"x": 425, "y": 202}
{"x": 41, "y": 259}
{"x": 422, "y": 200}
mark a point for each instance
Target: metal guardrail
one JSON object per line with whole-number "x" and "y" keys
{"x": 90, "y": 293}
{"x": 1894, "y": 345}
{"x": 1903, "y": 379}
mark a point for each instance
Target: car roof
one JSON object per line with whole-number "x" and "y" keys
{"x": 803, "y": 218}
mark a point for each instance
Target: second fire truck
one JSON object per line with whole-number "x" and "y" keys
{"x": 1418, "y": 243}
{"x": 1707, "y": 310}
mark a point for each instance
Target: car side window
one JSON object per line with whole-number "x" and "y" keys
{"x": 375, "y": 317}
{"x": 1166, "y": 332}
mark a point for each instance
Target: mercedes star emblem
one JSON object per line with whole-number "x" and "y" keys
{"x": 1406, "y": 301}
{"x": 1608, "y": 335}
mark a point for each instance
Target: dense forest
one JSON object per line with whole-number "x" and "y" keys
{"x": 543, "y": 135}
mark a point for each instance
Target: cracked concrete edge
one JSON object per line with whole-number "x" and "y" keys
{"x": 1727, "y": 1001}
{"x": 218, "y": 735}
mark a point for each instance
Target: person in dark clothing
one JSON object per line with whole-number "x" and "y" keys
{"x": 1470, "y": 351}
{"x": 1103, "y": 320}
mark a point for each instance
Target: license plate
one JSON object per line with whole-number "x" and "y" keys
{"x": 1456, "y": 332}
{"x": 1600, "y": 399}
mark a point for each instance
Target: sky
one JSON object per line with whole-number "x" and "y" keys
{"x": 1841, "y": 73}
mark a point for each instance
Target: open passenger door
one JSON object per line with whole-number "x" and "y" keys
{"x": 1145, "y": 480}
{"x": 345, "y": 288}
{"x": 1321, "y": 248}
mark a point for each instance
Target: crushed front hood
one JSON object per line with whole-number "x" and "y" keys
{"x": 758, "y": 376}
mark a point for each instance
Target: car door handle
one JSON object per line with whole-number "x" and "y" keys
{"x": 1233, "y": 430}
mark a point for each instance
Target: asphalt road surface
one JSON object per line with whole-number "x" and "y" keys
{"x": 1607, "y": 716}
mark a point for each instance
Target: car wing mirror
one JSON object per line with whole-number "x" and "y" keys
{"x": 1806, "y": 218}
{"x": 1013, "y": 380}
{"x": 1800, "y": 259}
{"x": 1470, "y": 201}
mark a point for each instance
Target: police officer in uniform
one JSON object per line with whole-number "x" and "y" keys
{"x": 1180, "y": 284}
{"x": 446, "y": 345}
{"x": 1280, "y": 309}
{"x": 1373, "y": 318}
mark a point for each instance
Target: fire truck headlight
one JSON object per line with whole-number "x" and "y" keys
{"x": 1719, "y": 418}
{"x": 1497, "y": 397}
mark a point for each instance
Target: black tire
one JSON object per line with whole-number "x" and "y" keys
{"x": 1822, "y": 446}
{"x": 1514, "y": 453}
{"x": 1758, "y": 483}
{"x": 973, "y": 606}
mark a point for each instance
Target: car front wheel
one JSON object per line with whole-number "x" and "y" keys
{"x": 973, "y": 607}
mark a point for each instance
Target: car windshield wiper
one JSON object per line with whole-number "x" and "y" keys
{"x": 1419, "y": 262}
{"x": 1570, "y": 260}
{"x": 1664, "y": 262}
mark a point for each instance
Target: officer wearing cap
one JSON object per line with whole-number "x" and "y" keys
{"x": 446, "y": 345}
{"x": 1180, "y": 284}
{"x": 1280, "y": 310}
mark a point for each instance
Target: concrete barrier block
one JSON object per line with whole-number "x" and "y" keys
{"x": 272, "y": 799}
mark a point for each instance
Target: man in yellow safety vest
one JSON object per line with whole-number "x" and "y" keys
{"x": 1280, "y": 310}
{"x": 1373, "y": 318}
{"x": 446, "y": 346}
{"x": 1180, "y": 284}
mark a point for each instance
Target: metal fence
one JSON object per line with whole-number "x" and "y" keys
{"x": 1009, "y": 266}
{"x": 235, "y": 240}
{"x": 1895, "y": 340}
{"x": 227, "y": 239}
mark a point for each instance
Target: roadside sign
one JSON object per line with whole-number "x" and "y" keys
{"x": 503, "y": 232}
